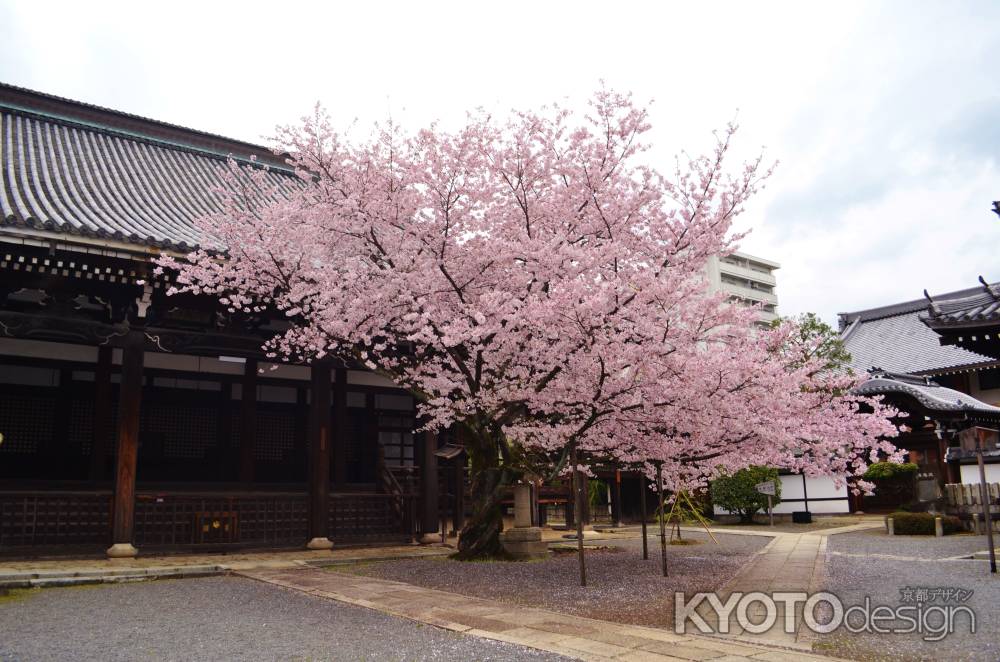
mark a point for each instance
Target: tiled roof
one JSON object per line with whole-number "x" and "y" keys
{"x": 76, "y": 176}
{"x": 928, "y": 393}
{"x": 972, "y": 310}
{"x": 895, "y": 338}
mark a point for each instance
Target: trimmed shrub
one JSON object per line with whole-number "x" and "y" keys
{"x": 736, "y": 493}
{"x": 922, "y": 524}
{"x": 889, "y": 470}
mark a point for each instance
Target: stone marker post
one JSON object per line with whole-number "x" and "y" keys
{"x": 523, "y": 541}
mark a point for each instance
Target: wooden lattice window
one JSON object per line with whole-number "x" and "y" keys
{"x": 176, "y": 429}
{"x": 275, "y": 433}
{"x": 80, "y": 433}
{"x": 27, "y": 418}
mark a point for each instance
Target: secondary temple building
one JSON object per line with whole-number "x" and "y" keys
{"x": 133, "y": 420}
{"x": 937, "y": 358}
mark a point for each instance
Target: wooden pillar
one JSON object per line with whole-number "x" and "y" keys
{"x": 340, "y": 428}
{"x": 429, "y": 520}
{"x": 248, "y": 421}
{"x": 616, "y": 499}
{"x": 129, "y": 400}
{"x": 942, "y": 464}
{"x": 319, "y": 457}
{"x": 102, "y": 430}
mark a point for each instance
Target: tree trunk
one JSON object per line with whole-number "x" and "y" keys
{"x": 480, "y": 534}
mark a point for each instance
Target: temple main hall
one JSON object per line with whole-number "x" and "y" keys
{"x": 136, "y": 421}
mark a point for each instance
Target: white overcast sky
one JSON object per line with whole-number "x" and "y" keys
{"x": 885, "y": 116}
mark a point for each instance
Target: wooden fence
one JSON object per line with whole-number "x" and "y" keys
{"x": 963, "y": 495}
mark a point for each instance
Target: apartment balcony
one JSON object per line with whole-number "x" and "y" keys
{"x": 750, "y": 294}
{"x": 748, "y": 272}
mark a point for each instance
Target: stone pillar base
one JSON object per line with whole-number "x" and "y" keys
{"x": 121, "y": 550}
{"x": 430, "y": 538}
{"x": 588, "y": 532}
{"x": 319, "y": 543}
{"x": 524, "y": 543}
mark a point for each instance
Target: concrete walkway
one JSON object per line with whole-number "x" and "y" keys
{"x": 573, "y": 636}
{"x": 791, "y": 562}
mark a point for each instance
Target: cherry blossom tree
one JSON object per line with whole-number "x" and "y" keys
{"x": 533, "y": 280}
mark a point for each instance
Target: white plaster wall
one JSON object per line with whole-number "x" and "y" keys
{"x": 820, "y": 487}
{"x": 970, "y": 473}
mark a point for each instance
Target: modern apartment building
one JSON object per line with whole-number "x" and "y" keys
{"x": 746, "y": 278}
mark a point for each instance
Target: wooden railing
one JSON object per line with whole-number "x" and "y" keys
{"x": 963, "y": 495}
{"x": 201, "y": 519}
{"x": 371, "y": 517}
{"x": 401, "y": 486}
{"x": 38, "y": 518}
{"x": 252, "y": 519}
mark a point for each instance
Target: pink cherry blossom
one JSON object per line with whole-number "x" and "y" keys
{"x": 534, "y": 281}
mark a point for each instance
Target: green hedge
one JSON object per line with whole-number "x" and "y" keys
{"x": 886, "y": 470}
{"x": 922, "y": 524}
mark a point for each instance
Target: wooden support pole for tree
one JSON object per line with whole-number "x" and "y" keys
{"x": 984, "y": 491}
{"x": 248, "y": 420}
{"x": 663, "y": 524}
{"x": 319, "y": 456}
{"x": 130, "y": 398}
{"x": 644, "y": 515}
{"x": 103, "y": 425}
{"x": 571, "y": 502}
{"x": 577, "y": 479}
{"x": 458, "y": 509}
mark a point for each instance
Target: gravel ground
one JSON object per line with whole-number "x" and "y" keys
{"x": 220, "y": 618}
{"x": 882, "y": 580}
{"x": 621, "y": 586}
{"x": 876, "y": 541}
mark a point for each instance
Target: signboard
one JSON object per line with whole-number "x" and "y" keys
{"x": 767, "y": 487}
{"x": 971, "y": 438}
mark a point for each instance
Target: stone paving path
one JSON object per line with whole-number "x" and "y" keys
{"x": 70, "y": 571}
{"x": 234, "y": 559}
{"x": 574, "y": 636}
{"x": 789, "y": 563}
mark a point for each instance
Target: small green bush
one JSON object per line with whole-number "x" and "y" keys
{"x": 736, "y": 493}
{"x": 887, "y": 470}
{"x": 922, "y": 524}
